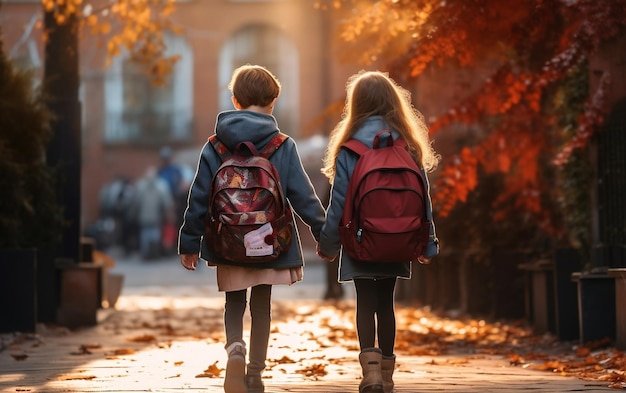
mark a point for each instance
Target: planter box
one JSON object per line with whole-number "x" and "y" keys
{"x": 620, "y": 306}
{"x": 539, "y": 295}
{"x": 81, "y": 294}
{"x": 18, "y": 290}
{"x": 596, "y": 306}
{"x": 551, "y": 296}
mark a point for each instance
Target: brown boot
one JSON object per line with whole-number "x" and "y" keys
{"x": 370, "y": 360}
{"x": 255, "y": 383}
{"x": 387, "y": 366}
{"x": 235, "y": 380}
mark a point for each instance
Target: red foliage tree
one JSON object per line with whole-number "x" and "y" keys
{"x": 534, "y": 45}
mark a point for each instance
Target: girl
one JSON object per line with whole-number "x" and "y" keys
{"x": 374, "y": 102}
{"x": 255, "y": 91}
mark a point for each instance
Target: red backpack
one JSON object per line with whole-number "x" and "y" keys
{"x": 384, "y": 217}
{"x": 248, "y": 218}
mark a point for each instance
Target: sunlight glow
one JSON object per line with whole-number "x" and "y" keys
{"x": 11, "y": 377}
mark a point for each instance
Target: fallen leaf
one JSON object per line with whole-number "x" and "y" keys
{"x": 82, "y": 350}
{"x": 457, "y": 361}
{"x": 582, "y": 352}
{"x": 314, "y": 370}
{"x": 285, "y": 360}
{"x": 515, "y": 359}
{"x": 146, "y": 338}
{"x": 211, "y": 372}
{"x": 124, "y": 351}
{"x": 74, "y": 377}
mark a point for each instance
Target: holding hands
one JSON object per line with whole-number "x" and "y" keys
{"x": 423, "y": 260}
{"x": 324, "y": 257}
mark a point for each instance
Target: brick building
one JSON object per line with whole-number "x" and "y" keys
{"x": 126, "y": 121}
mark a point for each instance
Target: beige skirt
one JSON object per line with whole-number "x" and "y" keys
{"x": 235, "y": 278}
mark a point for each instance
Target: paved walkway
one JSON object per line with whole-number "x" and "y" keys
{"x": 168, "y": 338}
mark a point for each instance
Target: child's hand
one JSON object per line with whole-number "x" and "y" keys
{"x": 189, "y": 261}
{"x": 324, "y": 257}
{"x": 423, "y": 260}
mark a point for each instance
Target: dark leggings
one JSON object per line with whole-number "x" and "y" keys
{"x": 375, "y": 298}
{"x": 260, "y": 313}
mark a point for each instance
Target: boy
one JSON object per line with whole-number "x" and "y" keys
{"x": 255, "y": 91}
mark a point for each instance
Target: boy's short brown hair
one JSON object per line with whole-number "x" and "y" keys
{"x": 254, "y": 85}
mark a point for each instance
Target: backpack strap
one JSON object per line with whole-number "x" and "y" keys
{"x": 219, "y": 147}
{"x": 273, "y": 145}
{"x": 267, "y": 151}
{"x": 356, "y": 146}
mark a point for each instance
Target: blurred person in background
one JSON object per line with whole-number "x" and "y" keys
{"x": 152, "y": 207}
{"x": 115, "y": 226}
{"x": 172, "y": 175}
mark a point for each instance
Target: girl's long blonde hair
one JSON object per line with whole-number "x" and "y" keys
{"x": 371, "y": 93}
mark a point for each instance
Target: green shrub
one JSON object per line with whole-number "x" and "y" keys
{"x": 30, "y": 215}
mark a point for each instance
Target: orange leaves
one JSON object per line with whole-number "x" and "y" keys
{"x": 506, "y": 89}
{"x": 144, "y": 338}
{"x": 123, "y": 351}
{"x": 521, "y": 52}
{"x": 601, "y": 366}
{"x": 93, "y": 24}
{"x": 211, "y": 372}
{"x": 285, "y": 360}
{"x": 163, "y": 67}
{"x": 313, "y": 371}
{"x": 143, "y": 24}
{"x": 608, "y": 365}
{"x": 63, "y": 10}
{"x": 301, "y": 348}
{"x": 376, "y": 31}
{"x": 456, "y": 180}
{"x": 74, "y": 377}
{"x": 140, "y": 28}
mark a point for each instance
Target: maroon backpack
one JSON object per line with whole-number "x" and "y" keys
{"x": 384, "y": 217}
{"x": 248, "y": 218}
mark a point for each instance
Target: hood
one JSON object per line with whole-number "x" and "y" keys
{"x": 237, "y": 126}
{"x": 368, "y": 130}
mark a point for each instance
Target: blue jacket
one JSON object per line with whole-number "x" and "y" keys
{"x": 231, "y": 128}
{"x": 330, "y": 243}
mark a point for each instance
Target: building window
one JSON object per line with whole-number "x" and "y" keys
{"x": 139, "y": 112}
{"x": 24, "y": 53}
{"x": 269, "y": 47}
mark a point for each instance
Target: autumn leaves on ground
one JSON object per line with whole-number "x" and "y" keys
{"x": 309, "y": 340}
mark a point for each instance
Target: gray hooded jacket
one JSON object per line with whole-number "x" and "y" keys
{"x": 231, "y": 128}
{"x": 330, "y": 243}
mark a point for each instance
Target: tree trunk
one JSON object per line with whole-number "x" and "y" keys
{"x": 61, "y": 83}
